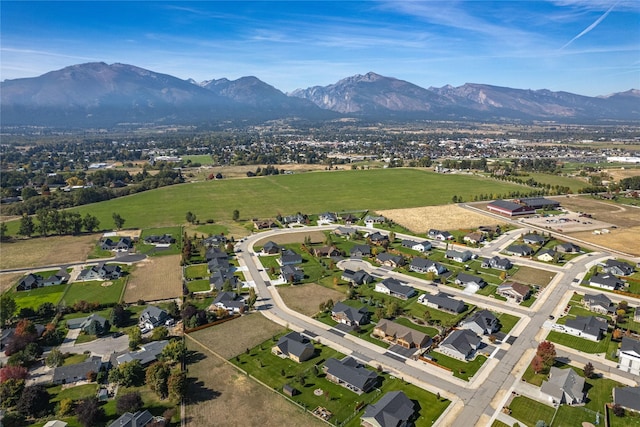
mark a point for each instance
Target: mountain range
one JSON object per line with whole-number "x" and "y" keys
{"x": 101, "y": 95}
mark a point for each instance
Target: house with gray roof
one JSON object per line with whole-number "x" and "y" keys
{"x": 547, "y": 255}
{"x": 57, "y": 279}
{"x": 84, "y": 323}
{"x": 589, "y": 327}
{"x": 295, "y": 347}
{"x": 533, "y": 239}
{"x": 160, "y": 241}
{"x": 605, "y": 281}
{"x": 458, "y": 256}
{"x": 217, "y": 240}
{"x": 390, "y": 260}
{"x": 122, "y": 245}
{"x": 564, "y": 386}
{"x": 101, "y": 271}
{"x": 395, "y": 288}
{"x": 148, "y": 353}
{"x": 218, "y": 264}
{"x": 30, "y": 281}
{"x": 619, "y": 268}
{"x": 350, "y": 374}
{"x": 423, "y": 246}
{"x": 482, "y": 322}
{"x": 539, "y": 202}
{"x": 289, "y": 257}
{"x": 627, "y": 397}
{"x": 152, "y": 317}
{"x": 377, "y": 238}
{"x": 76, "y": 372}
{"x": 215, "y": 253}
{"x": 229, "y": 301}
{"x": 344, "y": 231}
{"x": 394, "y": 409}
{"x": 567, "y": 248}
{"x": 371, "y": 220}
{"x": 358, "y": 251}
{"x": 519, "y": 250}
{"x": 291, "y": 274}
{"x": 139, "y": 419}
{"x": 460, "y": 344}
{"x": 348, "y": 315}
{"x": 469, "y": 281}
{"x": 599, "y": 303}
{"x": 497, "y": 263}
{"x": 271, "y": 248}
{"x": 629, "y": 355}
{"x": 439, "y": 235}
{"x": 219, "y": 278}
{"x": 443, "y": 302}
{"x": 423, "y": 265}
{"x": 357, "y": 278}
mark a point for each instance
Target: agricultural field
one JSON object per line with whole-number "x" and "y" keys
{"x": 306, "y": 298}
{"x": 574, "y": 183}
{"x": 42, "y": 251}
{"x": 291, "y": 238}
{"x": 448, "y": 217}
{"x": 155, "y": 278}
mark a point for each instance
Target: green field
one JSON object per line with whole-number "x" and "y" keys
{"x": 574, "y": 184}
{"x": 529, "y": 411}
{"x": 35, "y": 297}
{"x": 175, "y": 248}
{"x": 199, "y": 285}
{"x": 94, "y": 291}
{"x": 265, "y": 197}
{"x": 203, "y": 159}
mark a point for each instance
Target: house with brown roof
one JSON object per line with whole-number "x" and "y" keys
{"x": 401, "y": 335}
{"x": 516, "y": 292}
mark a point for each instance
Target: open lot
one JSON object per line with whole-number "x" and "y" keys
{"x": 107, "y": 292}
{"x": 7, "y": 280}
{"x": 41, "y": 251}
{"x": 533, "y": 276}
{"x": 290, "y": 238}
{"x": 155, "y": 279}
{"x": 568, "y": 223}
{"x": 447, "y": 217}
{"x": 306, "y": 298}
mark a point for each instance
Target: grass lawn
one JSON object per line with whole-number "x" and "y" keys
{"x": 437, "y": 316}
{"x": 197, "y": 271}
{"x": 199, "y": 285}
{"x": 630, "y": 419}
{"x": 580, "y": 344}
{"x": 75, "y": 358}
{"x": 462, "y": 370}
{"x": 425, "y": 329}
{"x": 203, "y": 159}
{"x": 529, "y": 411}
{"x": 74, "y": 393}
{"x": 574, "y": 184}
{"x": 35, "y": 297}
{"x": 95, "y": 291}
{"x": 507, "y": 321}
{"x": 498, "y": 423}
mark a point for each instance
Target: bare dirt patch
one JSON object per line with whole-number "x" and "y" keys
{"x": 622, "y": 216}
{"x": 7, "y": 280}
{"x": 448, "y": 217}
{"x": 533, "y": 276}
{"x": 284, "y": 239}
{"x": 217, "y": 391}
{"x": 43, "y": 251}
{"x": 132, "y": 234}
{"x": 620, "y": 173}
{"x": 155, "y": 279}
{"x": 625, "y": 240}
{"x": 306, "y": 298}
{"x": 247, "y": 332}
{"x": 568, "y": 223}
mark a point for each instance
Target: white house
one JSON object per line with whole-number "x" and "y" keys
{"x": 629, "y": 356}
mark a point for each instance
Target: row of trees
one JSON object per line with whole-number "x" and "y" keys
{"x": 59, "y": 222}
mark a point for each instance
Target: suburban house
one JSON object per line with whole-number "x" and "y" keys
{"x": 539, "y": 202}
{"x": 516, "y": 292}
{"x": 547, "y": 255}
{"x": 357, "y": 278}
{"x": 564, "y": 386}
{"x": 327, "y": 218}
{"x": 378, "y": 238}
{"x": 163, "y": 241}
{"x": 289, "y": 257}
{"x": 326, "y": 251}
{"x": 217, "y": 240}
{"x": 567, "y": 248}
{"x": 293, "y": 219}
{"x": 442, "y": 302}
{"x": 30, "y": 281}
{"x": 599, "y": 303}
{"x": 218, "y": 264}
{"x": 469, "y": 281}
{"x": 291, "y": 274}
{"x": 139, "y": 419}
{"x": 497, "y": 263}
{"x": 229, "y": 301}
{"x": 488, "y": 229}
{"x": 122, "y": 245}
{"x": 295, "y": 347}
{"x": 345, "y": 231}
{"x": 394, "y": 409}
{"x": 147, "y": 354}
{"x": 458, "y": 256}
{"x": 482, "y": 322}
{"x": 589, "y": 327}
{"x": 76, "y": 372}
{"x": 57, "y": 279}
{"x": 152, "y": 317}
{"x": 519, "y": 250}
{"x": 259, "y": 224}
{"x": 629, "y": 355}
{"x": 627, "y": 397}
{"x": 348, "y": 315}
{"x": 533, "y": 239}
{"x": 619, "y": 268}
{"x": 461, "y": 344}
{"x": 395, "y": 288}
{"x": 422, "y": 246}
{"x": 423, "y": 265}
{"x": 605, "y": 281}
{"x": 215, "y": 253}
{"x": 358, "y": 251}
{"x": 220, "y": 278}
{"x": 84, "y": 323}
{"x": 408, "y": 243}
{"x": 371, "y": 220}
{"x": 271, "y": 248}
{"x": 350, "y": 374}
{"x": 401, "y": 335}
{"x": 474, "y": 238}
{"x": 349, "y": 218}
{"x": 390, "y": 260}
{"x": 439, "y": 235}
{"x": 505, "y": 207}
{"x": 101, "y": 271}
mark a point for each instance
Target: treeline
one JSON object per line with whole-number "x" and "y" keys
{"x": 58, "y": 222}
{"x": 265, "y": 171}
{"x": 632, "y": 183}
{"x": 545, "y": 189}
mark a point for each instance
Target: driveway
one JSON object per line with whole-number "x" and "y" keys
{"x": 100, "y": 347}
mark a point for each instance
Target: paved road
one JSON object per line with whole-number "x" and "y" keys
{"x": 119, "y": 258}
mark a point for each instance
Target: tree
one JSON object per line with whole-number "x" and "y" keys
{"x": 392, "y": 237}
{"x": 118, "y": 220}
{"x": 391, "y": 309}
{"x": 129, "y": 402}
{"x": 135, "y": 337}
{"x": 10, "y": 392}
{"x": 89, "y": 411}
{"x": 26, "y": 226}
{"x": 7, "y": 308}
{"x": 617, "y": 334}
{"x": 236, "y": 215}
{"x": 90, "y": 222}
{"x": 46, "y": 309}
{"x": 119, "y": 315}
{"x": 3, "y": 231}
{"x": 55, "y": 358}
{"x": 13, "y": 373}
{"x": 127, "y": 374}
{"x": 177, "y": 385}
{"x": 174, "y": 352}
{"x": 191, "y": 217}
{"x": 173, "y": 309}
{"x": 34, "y": 401}
{"x": 588, "y": 370}
{"x": 547, "y": 352}
{"x": 13, "y": 419}
{"x": 159, "y": 333}
{"x": 251, "y": 301}
{"x": 156, "y": 378}
{"x": 536, "y": 364}
{"x": 66, "y": 407}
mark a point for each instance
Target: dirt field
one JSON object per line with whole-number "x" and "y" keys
{"x": 155, "y": 279}
{"x": 622, "y": 240}
{"x": 448, "y": 217}
{"x": 247, "y": 332}
{"x": 42, "y": 251}
{"x": 132, "y": 234}
{"x": 533, "y": 276}
{"x": 241, "y": 171}
{"x": 619, "y": 174}
{"x": 306, "y": 298}
{"x": 316, "y": 237}
{"x": 219, "y": 395}
{"x": 8, "y": 279}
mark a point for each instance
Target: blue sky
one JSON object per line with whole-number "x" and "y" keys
{"x": 589, "y": 47}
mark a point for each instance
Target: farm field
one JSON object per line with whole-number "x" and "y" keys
{"x": 448, "y": 217}
{"x": 44, "y": 251}
{"x": 290, "y": 238}
{"x": 262, "y": 197}
{"x": 155, "y": 278}
{"x": 306, "y": 298}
